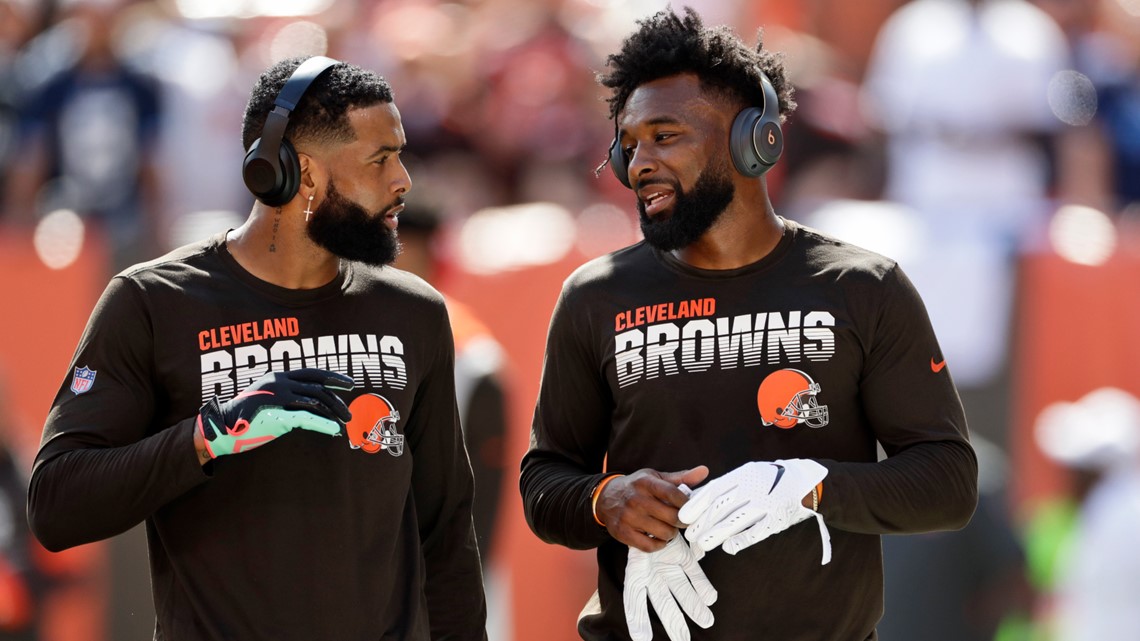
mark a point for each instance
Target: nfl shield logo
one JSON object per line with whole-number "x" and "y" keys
{"x": 83, "y": 380}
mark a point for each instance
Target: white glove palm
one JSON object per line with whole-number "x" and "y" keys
{"x": 753, "y": 502}
{"x": 666, "y": 578}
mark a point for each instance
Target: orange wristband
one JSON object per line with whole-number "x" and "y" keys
{"x": 598, "y": 492}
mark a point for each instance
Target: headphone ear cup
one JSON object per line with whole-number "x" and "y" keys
{"x": 260, "y": 174}
{"x": 273, "y": 183}
{"x": 755, "y": 142}
{"x": 617, "y": 163}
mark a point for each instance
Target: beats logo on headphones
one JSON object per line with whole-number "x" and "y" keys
{"x": 755, "y": 142}
{"x": 271, "y": 169}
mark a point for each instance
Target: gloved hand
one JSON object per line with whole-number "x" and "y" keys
{"x": 273, "y": 405}
{"x": 753, "y": 502}
{"x": 666, "y": 578}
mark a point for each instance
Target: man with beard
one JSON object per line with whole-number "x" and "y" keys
{"x": 276, "y": 403}
{"x": 745, "y": 356}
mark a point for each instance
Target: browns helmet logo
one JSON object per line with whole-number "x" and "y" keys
{"x": 787, "y": 397}
{"x": 373, "y": 425}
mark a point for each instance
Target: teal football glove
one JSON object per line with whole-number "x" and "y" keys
{"x": 273, "y": 405}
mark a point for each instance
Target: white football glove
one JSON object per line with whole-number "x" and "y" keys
{"x": 753, "y": 502}
{"x": 666, "y": 578}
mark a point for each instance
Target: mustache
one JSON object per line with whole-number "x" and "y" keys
{"x": 657, "y": 181}
{"x": 398, "y": 202}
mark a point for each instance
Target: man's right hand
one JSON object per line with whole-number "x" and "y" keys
{"x": 270, "y": 407}
{"x": 640, "y": 509}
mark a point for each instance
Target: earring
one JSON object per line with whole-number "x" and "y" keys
{"x": 309, "y": 209}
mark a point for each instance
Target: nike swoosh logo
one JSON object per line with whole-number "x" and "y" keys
{"x": 779, "y": 474}
{"x": 937, "y": 367}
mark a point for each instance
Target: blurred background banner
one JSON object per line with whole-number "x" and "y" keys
{"x": 991, "y": 147}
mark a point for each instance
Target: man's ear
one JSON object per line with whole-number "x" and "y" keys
{"x": 313, "y": 177}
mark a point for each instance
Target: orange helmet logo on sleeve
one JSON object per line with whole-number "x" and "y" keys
{"x": 373, "y": 425}
{"x": 787, "y": 397}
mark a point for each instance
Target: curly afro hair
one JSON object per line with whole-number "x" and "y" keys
{"x": 667, "y": 44}
{"x": 322, "y": 113}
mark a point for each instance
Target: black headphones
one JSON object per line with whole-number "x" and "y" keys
{"x": 756, "y": 141}
{"x": 271, "y": 169}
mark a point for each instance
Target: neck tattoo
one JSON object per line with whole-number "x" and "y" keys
{"x": 276, "y": 225}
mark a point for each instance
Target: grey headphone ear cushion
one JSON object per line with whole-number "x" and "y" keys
{"x": 740, "y": 143}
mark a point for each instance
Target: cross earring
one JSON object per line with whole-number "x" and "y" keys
{"x": 309, "y": 209}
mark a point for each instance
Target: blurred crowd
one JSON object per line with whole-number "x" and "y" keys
{"x": 980, "y": 116}
{"x": 955, "y": 136}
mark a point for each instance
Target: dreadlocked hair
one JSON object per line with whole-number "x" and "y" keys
{"x": 322, "y": 113}
{"x": 667, "y": 44}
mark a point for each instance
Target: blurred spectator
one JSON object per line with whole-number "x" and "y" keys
{"x": 530, "y": 109}
{"x": 88, "y": 133}
{"x": 20, "y": 580}
{"x": 201, "y": 96}
{"x": 480, "y": 391}
{"x": 959, "y": 87}
{"x": 1100, "y": 98}
{"x": 831, "y": 152}
{"x": 15, "y": 29}
{"x": 966, "y": 585}
{"x": 479, "y": 384}
{"x": 1119, "y": 98}
{"x": 1098, "y": 582}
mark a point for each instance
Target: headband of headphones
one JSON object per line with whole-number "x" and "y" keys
{"x": 271, "y": 169}
{"x": 755, "y": 141}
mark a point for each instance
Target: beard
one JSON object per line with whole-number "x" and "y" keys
{"x": 694, "y": 212}
{"x": 349, "y": 231}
